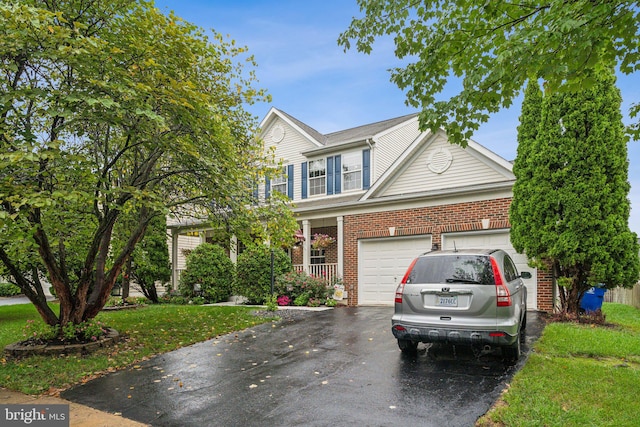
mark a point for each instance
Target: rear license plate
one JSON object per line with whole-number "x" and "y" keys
{"x": 450, "y": 301}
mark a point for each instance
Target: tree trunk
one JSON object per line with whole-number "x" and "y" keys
{"x": 150, "y": 292}
{"x": 126, "y": 280}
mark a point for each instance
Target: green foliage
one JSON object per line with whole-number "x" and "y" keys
{"x": 90, "y": 330}
{"x": 294, "y": 284}
{"x": 35, "y": 330}
{"x": 9, "y": 290}
{"x": 301, "y": 300}
{"x": 138, "y": 113}
{"x": 209, "y": 266}
{"x": 151, "y": 258}
{"x": 495, "y": 47}
{"x": 118, "y": 301}
{"x": 570, "y": 207}
{"x": 198, "y": 300}
{"x": 272, "y": 303}
{"x": 272, "y": 221}
{"x": 253, "y": 271}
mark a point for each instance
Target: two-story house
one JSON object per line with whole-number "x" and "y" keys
{"x": 387, "y": 192}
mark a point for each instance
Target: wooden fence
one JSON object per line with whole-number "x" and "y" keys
{"x": 624, "y": 296}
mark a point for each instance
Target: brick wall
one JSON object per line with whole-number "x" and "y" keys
{"x": 434, "y": 221}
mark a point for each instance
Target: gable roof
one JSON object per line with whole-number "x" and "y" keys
{"x": 364, "y": 132}
{"x": 501, "y": 169}
{"x": 358, "y": 133}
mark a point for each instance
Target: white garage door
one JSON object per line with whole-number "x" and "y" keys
{"x": 382, "y": 264}
{"x": 496, "y": 240}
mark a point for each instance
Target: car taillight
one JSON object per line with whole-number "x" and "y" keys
{"x": 503, "y": 297}
{"x": 400, "y": 287}
{"x": 399, "y": 290}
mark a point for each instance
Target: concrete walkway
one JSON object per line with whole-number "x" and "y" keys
{"x": 81, "y": 416}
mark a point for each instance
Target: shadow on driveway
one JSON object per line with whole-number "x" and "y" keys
{"x": 334, "y": 368}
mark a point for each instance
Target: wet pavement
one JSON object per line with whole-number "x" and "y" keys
{"x": 332, "y": 368}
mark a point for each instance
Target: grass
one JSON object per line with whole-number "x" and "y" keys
{"x": 578, "y": 375}
{"x": 147, "y": 331}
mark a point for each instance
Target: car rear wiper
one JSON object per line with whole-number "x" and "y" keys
{"x": 475, "y": 282}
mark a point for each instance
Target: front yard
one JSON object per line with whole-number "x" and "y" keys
{"x": 147, "y": 331}
{"x": 578, "y": 375}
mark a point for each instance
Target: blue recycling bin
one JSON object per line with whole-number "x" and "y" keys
{"x": 592, "y": 299}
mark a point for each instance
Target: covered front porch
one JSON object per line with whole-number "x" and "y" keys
{"x": 324, "y": 261}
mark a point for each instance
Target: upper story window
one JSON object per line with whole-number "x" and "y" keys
{"x": 279, "y": 183}
{"x": 317, "y": 177}
{"x": 352, "y": 171}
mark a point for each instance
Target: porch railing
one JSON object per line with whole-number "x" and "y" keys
{"x": 328, "y": 271}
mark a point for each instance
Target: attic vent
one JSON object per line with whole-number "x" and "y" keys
{"x": 440, "y": 160}
{"x": 277, "y": 133}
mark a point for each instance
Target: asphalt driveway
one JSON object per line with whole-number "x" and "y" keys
{"x": 333, "y": 368}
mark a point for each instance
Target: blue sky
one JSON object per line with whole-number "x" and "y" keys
{"x": 310, "y": 77}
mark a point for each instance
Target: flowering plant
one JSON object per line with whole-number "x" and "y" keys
{"x": 321, "y": 240}
{"x": 284, "y": 300}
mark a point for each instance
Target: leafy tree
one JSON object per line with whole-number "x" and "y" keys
{"x": 209, "y": 266}
{"x": 150, "y": 259}
{"x": 109, "y": 109}
{"x": 495, "y": 47}
{"x": 570, "y": 207}
{"x": 253, "y": 271}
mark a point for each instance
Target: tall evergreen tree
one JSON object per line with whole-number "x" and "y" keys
{"x": 519, "y": 214}
{"x": 575, "y": 181}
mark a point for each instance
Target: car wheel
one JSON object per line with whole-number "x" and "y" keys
{"x": 524, "y": 324}
{"x": 408, "y": 346}
{"x": 511, "y": 353}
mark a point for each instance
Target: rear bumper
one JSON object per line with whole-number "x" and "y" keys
{"x": 436, "y": 333}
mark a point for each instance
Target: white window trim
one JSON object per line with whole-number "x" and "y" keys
{"x": 358, "y": 155}
{"x": 309, "y": 178}
{"x": 275, "y": 182}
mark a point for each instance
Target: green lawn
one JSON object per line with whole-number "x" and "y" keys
{"x": 578, "y": 375}
{"x": 147, "y": 331}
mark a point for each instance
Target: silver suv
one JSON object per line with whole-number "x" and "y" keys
{"x": 473, "y": 297}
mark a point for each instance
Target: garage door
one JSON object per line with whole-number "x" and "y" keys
{"x": 382, "y": 264}
{"x": 496, "y": 240}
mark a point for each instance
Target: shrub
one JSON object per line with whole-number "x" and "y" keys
{"x": 9, "y": 290}
{"x": 301, "y": 300}
{"x": 253, "y": 272}
{"x": 197, "y": 301}
{"x": 284, "y": 300}
{"x": 209, "y": 266}
{"x": 294, "y": 284}
{"x": 272, "y": 303}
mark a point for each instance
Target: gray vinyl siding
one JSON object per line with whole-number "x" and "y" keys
{"x": 289, "y": 152}
{"x": 390, "y": 146}
{"x": 465, "y": 170}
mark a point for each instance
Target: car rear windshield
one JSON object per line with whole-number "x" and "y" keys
{"x": 474, "y": 269}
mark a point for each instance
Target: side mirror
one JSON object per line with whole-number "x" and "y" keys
{"x": 525, "y": 275}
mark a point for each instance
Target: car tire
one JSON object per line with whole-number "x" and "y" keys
{"x": 511, "y": 353}
{"x": 408, "y": 346}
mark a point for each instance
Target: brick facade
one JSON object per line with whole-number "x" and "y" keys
{"x": 434, "y": 221}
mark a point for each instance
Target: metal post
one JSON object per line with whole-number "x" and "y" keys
{"x": 272, "y": 278}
